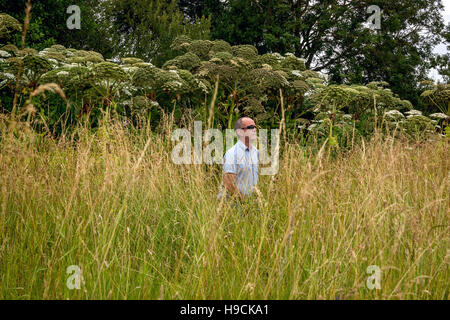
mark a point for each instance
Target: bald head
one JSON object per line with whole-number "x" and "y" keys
{"x": 241, "y": 122}
{"x": 245, "y": 135}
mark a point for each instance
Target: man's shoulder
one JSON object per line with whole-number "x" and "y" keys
{"x": 256, "y": 151}
{"x": 236, "y": 149}
{"x": 231, "y": 150}
{"x": 231, "y": 154}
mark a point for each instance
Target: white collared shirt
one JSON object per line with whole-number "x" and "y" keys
{"x": 243, "y": 162}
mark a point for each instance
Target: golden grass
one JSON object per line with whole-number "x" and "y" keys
{"x": 141, "y": 227}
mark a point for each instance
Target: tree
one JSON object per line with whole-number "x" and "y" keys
{"x": 208, "y": 8}
{"x": 442, "y": 61}
{"x": 400, "y": 53}
{"x": 8, "y": 26}
{"x": 48, "y": 24}
{"x": 331, "y": 35}
{"x": 146, "y": 29}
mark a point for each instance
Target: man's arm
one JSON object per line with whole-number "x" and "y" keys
{"x": 229, "y": 180}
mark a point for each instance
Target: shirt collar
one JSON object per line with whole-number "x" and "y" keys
{"x": 243, "y": 146}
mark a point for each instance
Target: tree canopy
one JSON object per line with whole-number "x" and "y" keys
{"x": 48, "y": 24}
{"x": 332, "y": 36}
{"x": 146, "y": 29}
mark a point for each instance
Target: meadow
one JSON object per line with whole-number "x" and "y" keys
{"x": 93, "y": 207}
{"x": 112, "y": 202}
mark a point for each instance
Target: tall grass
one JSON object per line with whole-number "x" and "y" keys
{"x": 141, "y": 227}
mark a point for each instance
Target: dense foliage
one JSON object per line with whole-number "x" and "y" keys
{"x": 248, "y": 83}
{"x": 117, "y": 27}
{"x": 87, "y": 180}
{"x": 146, "y": 29}
{"x": 333, "y": 36}
{"x": 48, "y": 24}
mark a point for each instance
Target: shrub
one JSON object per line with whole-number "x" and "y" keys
{"x": 394, "y": 115}
{"x": 11, "y": 49}
{"x": 222, "y": 56}
{"x": 188, "y": 61}
{"x": 28, "y": 52}
{"x": 269, "y": 58}
{"x": 181, "y": 43}
{"x": 221, "y": 46}
{"x": 248, "y": 84}
{"x": 131, "y": 61}
{"x": 33, "y": 68}
{"x": 200, "y": 48}
{"x": 437, "y": 97}
{"x": 247, "y": 52}
{"x": 293, "y": 63}
{"x": 269, "y": 79}
{"x": 145, "y": 77}
{"x": 418, "y": 126}
{"x": 8, "y": 26}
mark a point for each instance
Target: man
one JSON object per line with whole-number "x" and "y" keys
{"x": 240, "y": 163}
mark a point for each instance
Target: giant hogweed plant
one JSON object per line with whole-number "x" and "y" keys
{"x": 437, "y": 96}
{"x": 8, "y": 27}
{"x": 248, "y": 84}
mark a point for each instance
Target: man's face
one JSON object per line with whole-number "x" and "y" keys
{"x": 247, "y": 134}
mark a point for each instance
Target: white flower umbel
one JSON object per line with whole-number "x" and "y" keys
{"x": 320, "y": 74}
{"x": 394, "y": 114}
{"x": 438, "y": 116}
{"x": 127, "y": 92}
{"x": 53, "y": 61}
{"x": 9, "y": 76}
{"x": 175, "y": 72}
{"x": 414, "y": 113}
{"x": 130, "y": 69}
{"x": 347, "y": 116}
{"x": 278, "y": 56}
{"x": 296, "y": 73}
{"x": 4, "y": 54}
{"x": 62, "y": 73}
{"x": 202, "y": 86}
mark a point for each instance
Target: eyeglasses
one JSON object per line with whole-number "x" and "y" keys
{"x": 249, "y": 127}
